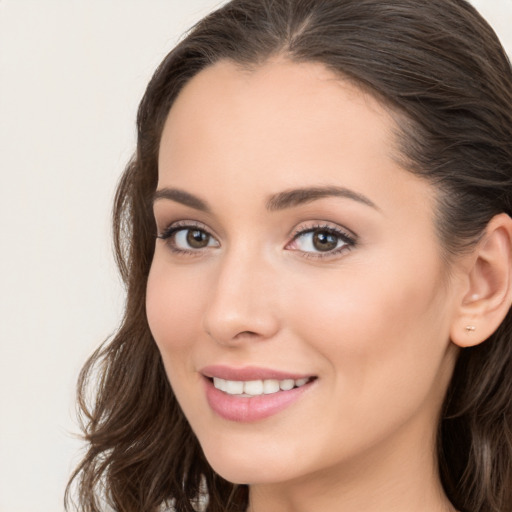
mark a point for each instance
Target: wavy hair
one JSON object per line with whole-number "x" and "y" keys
{"x": 441, "y": 70}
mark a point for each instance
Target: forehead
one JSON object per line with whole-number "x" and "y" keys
{"x": 279, "y": 126}
{"x": 276, "y": 90}
{"x": 225, "y": 109}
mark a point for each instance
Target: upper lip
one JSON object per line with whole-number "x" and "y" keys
{"x": 249, "y": 373}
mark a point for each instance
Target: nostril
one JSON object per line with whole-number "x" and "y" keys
{"x": 246, "y": 333}
{"x": 234, "y": 322}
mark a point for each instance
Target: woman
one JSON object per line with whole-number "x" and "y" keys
{"x": 316, "y": 241}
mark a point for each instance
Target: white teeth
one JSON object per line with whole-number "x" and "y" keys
{"x": 234, "y": 387}
{"x": 253, "y": 387}
{"x": 219, "y": 383}
{"x": 287, "y": 384}
{"x": 257, "y": 387}
{"x": 270, "y": 386}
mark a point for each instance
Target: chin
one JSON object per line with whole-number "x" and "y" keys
{"x": 249, "y": 468}
{"x": 248, "y": 475}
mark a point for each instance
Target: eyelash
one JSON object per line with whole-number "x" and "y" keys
{"x": 349, "y": 240}
{"x": 168, "y": 236}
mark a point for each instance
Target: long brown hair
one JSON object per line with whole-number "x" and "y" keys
{"x": 440, "y": 68}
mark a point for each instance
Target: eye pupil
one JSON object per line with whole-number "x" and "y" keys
{"x": 197, "y": 238}
{"x": 324, "y": 240}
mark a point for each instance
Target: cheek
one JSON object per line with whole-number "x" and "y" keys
{"x": 173, "y": 308}
{"x": 374, "y": 334}
{"x": 382, "y": 348}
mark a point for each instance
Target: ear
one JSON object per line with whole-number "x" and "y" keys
{"x": 487, "y": 291}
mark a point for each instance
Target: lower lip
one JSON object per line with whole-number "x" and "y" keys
{"x": 246, "y": 409}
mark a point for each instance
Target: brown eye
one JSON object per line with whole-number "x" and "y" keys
{"x": 324, "y": 240}
{"x": 186, "y": 239}
{"x": 197, "y": 239}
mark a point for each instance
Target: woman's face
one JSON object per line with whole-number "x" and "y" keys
{"x": 294, "y": 251}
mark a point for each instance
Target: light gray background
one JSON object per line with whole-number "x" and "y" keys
{"x": 71, "y": 75}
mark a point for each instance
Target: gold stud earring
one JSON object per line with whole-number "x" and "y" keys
{"x": 470, "y": 328}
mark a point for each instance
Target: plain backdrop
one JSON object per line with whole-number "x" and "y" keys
{"x": 71, "y": 76}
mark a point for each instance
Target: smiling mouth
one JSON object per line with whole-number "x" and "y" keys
{"x": 251, "y": 388}
{"x": 252, "y": 393}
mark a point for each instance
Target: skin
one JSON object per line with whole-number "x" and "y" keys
{"x": 371, "y": 322}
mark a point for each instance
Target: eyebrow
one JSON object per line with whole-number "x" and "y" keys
{"x": 295, "y": 197}
{"x": 180, "y": 196}
{"x": 279, "y": 201}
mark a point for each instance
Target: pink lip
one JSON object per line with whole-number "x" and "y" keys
{"x": 248, "y": 409}
{"x": 248, "y": 373}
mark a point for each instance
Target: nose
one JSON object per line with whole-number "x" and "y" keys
{"x": 243, "y": 301}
